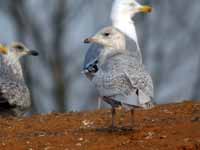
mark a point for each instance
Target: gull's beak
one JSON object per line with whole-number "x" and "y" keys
{"x": 33, "y": 53}
{"x": 90, "y": 40}
{"x": 3, "y": 49}
{"x": 145, "y": 9}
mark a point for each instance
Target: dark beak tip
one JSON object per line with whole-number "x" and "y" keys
{"x": 86, "y": 41}
{"x": 34, "y": 53}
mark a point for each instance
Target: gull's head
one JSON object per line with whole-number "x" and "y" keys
{"x": 112, "y": 40}
{"x": 17, "y": 50}
{"x": 109, "y": 38}
{"x": 126, "y": 9}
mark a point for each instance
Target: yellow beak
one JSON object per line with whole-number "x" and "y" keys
{"x": 3, "y": 49}
{"x": 145, "y": 9}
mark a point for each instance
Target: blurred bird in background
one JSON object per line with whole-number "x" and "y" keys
{"x": 120, "y": 77}
{"x": 14, "y": 93}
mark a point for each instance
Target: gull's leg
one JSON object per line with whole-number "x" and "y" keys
{"x": 99, "y": 102}
{"x": 113, "y": 116}
{"x": 132, "y": 116}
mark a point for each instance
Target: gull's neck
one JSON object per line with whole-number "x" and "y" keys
{"x": 108, "y": 52}
{"x": 127, "y": 26}
{"x": 11, "y": 67}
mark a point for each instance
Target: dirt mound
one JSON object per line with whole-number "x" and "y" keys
{"x": 170, "y": 127}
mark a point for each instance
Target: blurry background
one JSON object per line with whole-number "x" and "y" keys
{"x": 169, "y": 38}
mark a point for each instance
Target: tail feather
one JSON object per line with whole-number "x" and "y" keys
{"x": 145, "y": 101}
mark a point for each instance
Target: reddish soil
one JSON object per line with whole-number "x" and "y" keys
{"x": 166, "y": 127}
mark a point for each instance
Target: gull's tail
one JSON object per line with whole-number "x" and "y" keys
{"x": 145, "y": 101}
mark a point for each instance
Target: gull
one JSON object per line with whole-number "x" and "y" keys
{"x": 14, "y": 93}
{"x": 120, "y": 77}
{"x": 122, "y": 14}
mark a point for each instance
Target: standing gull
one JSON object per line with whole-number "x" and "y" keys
{"x": 14, "y": 93}
{"x": 121, "y": 15}
{"x": 120, "y": 77}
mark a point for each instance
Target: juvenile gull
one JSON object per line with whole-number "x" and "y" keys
{"x": 121, "y": 15}
{"x": 14, "y": 93}
{"x": 120, "y": 77}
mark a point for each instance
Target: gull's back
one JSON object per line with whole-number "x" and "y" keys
{"x": 119, "y": 78}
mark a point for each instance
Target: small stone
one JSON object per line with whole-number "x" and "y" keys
{"x": 149, "y": 135}
{"x": 47, "y": 148}
{"x": 87, "y": 123}
{"x": 186, "y": 139}
{"x": 78, "y": 144}
{"x": 195, "y": 119}
{"x": 3, "y": 144}
{"x": 80, "y": 139}
{"x": 163, "y": 137}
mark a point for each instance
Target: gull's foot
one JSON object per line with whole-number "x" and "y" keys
{"x": 121, "y": 129}
{"x": 112, "y": 128}
{"x": 115, "y": 129}
{"x": 126, "y": 128}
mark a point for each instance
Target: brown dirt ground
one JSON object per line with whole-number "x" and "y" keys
{"x": 166, "y": 127}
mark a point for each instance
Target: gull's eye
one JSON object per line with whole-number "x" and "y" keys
{"x": 19, "y": 47}
{"x": 106, "y": 34}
